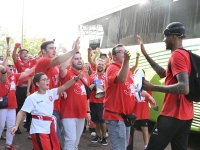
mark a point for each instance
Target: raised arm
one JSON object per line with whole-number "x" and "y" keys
{"x": 62, "y": 58}
{"x": 14, "y": 54}
{"x": 63, "y": 68}
{"x": 136, "y": 62}
{"x": 90, "y": 60}
{"x": 123, "y": 72}
{"x": 159, "y": 70}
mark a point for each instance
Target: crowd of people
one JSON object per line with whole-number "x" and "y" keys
{"x": 61, "y": 91}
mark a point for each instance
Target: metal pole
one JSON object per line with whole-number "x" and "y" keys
{"x": 22, "y": 38}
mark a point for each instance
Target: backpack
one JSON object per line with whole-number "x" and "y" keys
{"x": 194, "y": 77}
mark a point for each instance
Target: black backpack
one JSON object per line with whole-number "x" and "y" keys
{"x": 194, "y": 77}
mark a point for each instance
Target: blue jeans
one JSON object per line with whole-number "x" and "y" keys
{"x": 119, "y": 134}
{"x": 59, "y": 124}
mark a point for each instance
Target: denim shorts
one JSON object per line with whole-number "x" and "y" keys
{"x": 119, "y": 134}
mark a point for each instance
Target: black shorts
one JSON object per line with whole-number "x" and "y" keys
{"x": 141, "y": 123}
{"x": 169, "y": 129}
{"x": 96, "y": 112}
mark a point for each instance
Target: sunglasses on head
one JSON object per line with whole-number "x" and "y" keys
{"x": 10, "y": 65}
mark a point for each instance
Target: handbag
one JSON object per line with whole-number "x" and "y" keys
{"x": 4, "y": 100}
{"x": 129, "y": 120}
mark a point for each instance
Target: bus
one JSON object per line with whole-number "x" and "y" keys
{"x": 149, "y": 21}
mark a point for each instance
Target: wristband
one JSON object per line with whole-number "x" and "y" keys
{"x": 137, "y": 57}
{"x": 4, "y": 72}
{"x": 88, "y": 111}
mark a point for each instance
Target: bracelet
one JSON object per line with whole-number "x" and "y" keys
{"x": 88, "y": 111}
{"x": 76, "y": 78}
{"x": 4, "y": 72}
{"x": 137, "y": 57}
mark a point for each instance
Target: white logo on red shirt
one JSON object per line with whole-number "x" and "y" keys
{"x": 130, "y": 88}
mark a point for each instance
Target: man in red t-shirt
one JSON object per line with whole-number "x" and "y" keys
{"x": 173, "y": 124}
{"x": 96, "y": 104}
{"x": 49, "y": 65}
{"x": 103, "y": 56}
{"x": 75, "y": 108}
{"x": 22, "y": 63}
{"x": 119, "y": 98}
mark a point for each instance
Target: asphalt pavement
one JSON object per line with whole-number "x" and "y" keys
{"x": 21, "y": 142}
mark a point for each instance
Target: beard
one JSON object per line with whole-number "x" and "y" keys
{"x": 77, "y": 67}
{"x": 99, "y": 70}
{"x": 169, "y": 46}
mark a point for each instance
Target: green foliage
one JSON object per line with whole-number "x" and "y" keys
{"x": 32, "y": 45}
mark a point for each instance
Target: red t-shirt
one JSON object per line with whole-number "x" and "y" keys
{"x": 141, "y": 109}
{"x": 21, "y": 67}
{"x": 174, "y": 105}
{"x": 119, "y": 97}
{"x": 75, "y": 105}
{"x": 42, "y": 65}
{"x": 10, "y": 84}
{"x": 101, "y": 77}
{"x": 53, "y": 75}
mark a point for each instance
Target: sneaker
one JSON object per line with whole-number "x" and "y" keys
{"x": 3, "y": 138}
{"x": 10, "y": 147}
{"x": 96, "y": 139}
{"x": 104, "y": 141}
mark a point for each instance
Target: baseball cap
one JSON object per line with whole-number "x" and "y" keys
{"x": 175, "y": 28}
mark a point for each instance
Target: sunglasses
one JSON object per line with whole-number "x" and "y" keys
{"x": 10, "y": 65}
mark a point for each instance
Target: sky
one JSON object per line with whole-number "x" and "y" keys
{"x": 51, "y": 19}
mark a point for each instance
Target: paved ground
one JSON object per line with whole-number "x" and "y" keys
{"x": 23, "y": 143}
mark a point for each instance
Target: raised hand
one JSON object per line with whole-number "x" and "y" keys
{"x": 17, "y": 45}
{"x": 148, "y": 86}
{"x": 98, "y": 50}
{"x": 127, "y": 55}
{"x": 89, "y": 50}
{"x": 141, "y": 45}
{"x": 137, "y": 54}
{"x": 8, "y": 52}
{"x": 76, "y": 45}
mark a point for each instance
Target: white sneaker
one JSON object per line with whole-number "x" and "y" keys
{"x": 93, "y": 134}
{"x": 138, "y": 79}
